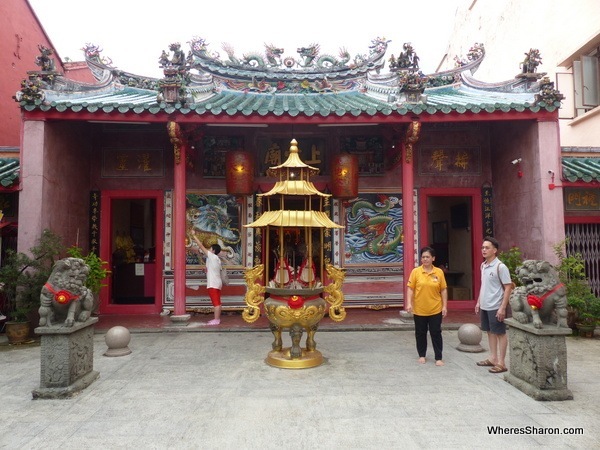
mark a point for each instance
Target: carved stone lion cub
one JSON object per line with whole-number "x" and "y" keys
{"x": 542, "y": 298}
{"x": 64, "y": 297}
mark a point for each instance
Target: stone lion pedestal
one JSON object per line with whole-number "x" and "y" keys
{"x": 538, "y": 360}
{"x": 67, "y": 359}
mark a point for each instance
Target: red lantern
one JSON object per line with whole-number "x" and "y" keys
{"x": 344, "y": 176}
{"x": 239, "y": 173}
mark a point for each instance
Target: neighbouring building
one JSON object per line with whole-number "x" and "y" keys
{"x": 21, "y": 36}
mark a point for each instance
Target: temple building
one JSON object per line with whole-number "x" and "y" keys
{"x": 129, "y": 166}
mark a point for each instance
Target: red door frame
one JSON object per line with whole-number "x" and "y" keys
{"x": 476, "y": 233}
{"x": 105, "y": 251}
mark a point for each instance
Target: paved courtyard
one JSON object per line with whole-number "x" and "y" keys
{"x": 209, "y": 390}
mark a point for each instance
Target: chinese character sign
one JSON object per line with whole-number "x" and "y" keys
{"x": 487, "y": 212}
{"x": 132, "y": 163}
{"x": 444, "y": 160}
{"x": 273, "y": 152}
{"x": 582, "y": 199}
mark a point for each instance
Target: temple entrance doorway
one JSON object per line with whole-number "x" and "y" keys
{"x": 134, "y": 251}
{"x": 448, "y": 223}
{"x": 130, "y": 229}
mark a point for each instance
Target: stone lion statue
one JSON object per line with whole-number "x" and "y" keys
{"x": 542, "y": 298}
{"x": 64, "y": 297}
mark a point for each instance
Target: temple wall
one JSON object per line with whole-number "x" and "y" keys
{"x": 55, "y": 182}
{"x": 31, "y": 209}
{"x": 527, "y": 214}
{"x": 66, "y": 190}
{"x": 116, "y": 153}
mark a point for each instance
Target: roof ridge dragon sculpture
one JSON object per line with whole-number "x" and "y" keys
{"x": 273, "y": 60}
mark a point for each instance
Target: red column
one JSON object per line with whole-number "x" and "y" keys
{"x": 179, "y": 152}
{"x": 408, "y": 211}
{"x": 408, "y": 207}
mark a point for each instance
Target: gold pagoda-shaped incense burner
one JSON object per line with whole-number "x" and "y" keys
{"x": 295, "y": 284}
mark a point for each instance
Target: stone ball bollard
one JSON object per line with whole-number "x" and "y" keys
{"x": 117, "y": 340}
{"x": 469, "y": 336}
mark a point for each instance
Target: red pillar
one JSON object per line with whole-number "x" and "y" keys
{"x": 408, "y": 217}
{"x": 179, "y": 153}
{"x": 408, "y": 207}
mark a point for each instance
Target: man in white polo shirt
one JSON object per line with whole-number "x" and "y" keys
{"x": 491, "y": 305}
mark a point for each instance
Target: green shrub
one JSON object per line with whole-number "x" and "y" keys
{"x": 513, "y": 258}
{"x": 23, "y": 275}
{"x": 98, "y": 270}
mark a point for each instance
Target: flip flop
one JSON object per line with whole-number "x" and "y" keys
{"x": 498, "y": 369}
{"x": 486, "y": 363}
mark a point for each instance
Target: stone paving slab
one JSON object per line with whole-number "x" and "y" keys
{"x": 214, "y": 390}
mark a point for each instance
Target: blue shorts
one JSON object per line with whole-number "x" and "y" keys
{"x": 490, "y": 323}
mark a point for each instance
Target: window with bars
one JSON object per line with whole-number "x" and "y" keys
{"x": 584, "y": 238}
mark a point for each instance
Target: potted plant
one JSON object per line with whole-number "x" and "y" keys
{"x": 581, "y": 302}
{"x": 588, "y": 313}
{"x": 23, "y": 276}
{"x": 96, "y": 276}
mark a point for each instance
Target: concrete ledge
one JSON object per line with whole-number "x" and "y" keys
{"x": 548, "y": 330}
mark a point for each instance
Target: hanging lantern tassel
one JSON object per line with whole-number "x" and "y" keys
{"x": 344, "y": 176}
{"x": 239, "y": 173}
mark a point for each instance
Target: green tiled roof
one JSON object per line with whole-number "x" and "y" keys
{"x": 457, "y": 98}
{"x": 9, "y": 172}
{"x": 581, "y": 169}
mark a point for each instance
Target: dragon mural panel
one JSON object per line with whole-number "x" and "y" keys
{"x": 374, "y": 230}
{"x": 216, "y": 219}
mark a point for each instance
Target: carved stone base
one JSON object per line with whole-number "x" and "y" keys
{"x": 538, "y": 360}
{"x": 67, "y": 360}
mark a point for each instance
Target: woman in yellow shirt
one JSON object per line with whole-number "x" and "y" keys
{"x": 427, "y": 299}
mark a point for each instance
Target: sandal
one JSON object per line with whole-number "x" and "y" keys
{"x": 486, "y": 363}
{"x": 498, "y": 369}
